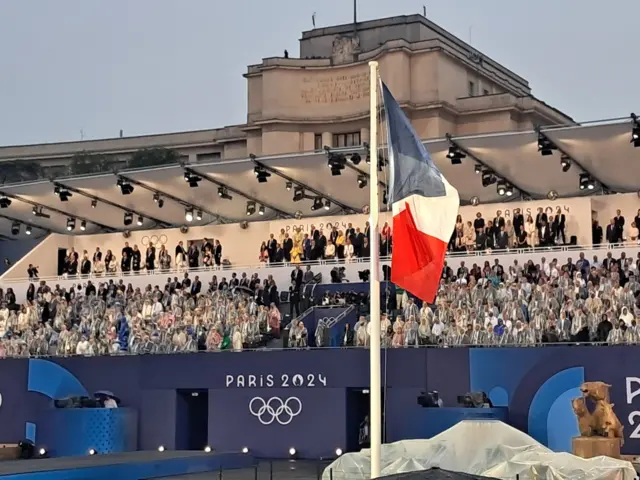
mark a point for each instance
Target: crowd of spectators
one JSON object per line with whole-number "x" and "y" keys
{"x": 521, "y": 304}
{"x": 334, "y": 244}
{"x": 111, "y": 317}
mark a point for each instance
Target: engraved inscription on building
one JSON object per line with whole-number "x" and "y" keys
{"x": 335, "y": 88}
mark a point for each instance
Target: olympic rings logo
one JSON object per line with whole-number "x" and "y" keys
{"x": 275, "y": 409}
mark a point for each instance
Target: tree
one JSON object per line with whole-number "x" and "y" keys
{"x": 85, "y": 163}
{"x": 153, "y": 157}
{"x": 16, "y": 171}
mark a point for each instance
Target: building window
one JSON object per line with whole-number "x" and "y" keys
{"x": 317, "y": 141}
{"x": 472, "y": 89}
{"x": 346, "y": 140}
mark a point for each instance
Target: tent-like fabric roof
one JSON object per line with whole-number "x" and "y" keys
{"x": 601, "y": 150}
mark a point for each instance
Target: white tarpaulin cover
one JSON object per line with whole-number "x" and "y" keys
{"x": 490, "y": 448}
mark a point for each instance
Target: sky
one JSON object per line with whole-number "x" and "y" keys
{"x": 73, "y": 69}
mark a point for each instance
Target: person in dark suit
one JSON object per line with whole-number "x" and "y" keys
{"x": 611, "y": 231}
{"x": 596, "y": 233}
{"x": 244, "y": 281}
{"x": 294, "y": 300}
{"x": 287, "y": 246}
{"x": 502, "y": 239}
{"x": 544, "y": 234}
{"x": 560, "y": 223}
{"x": 619, "y": 224}
{"x": 359, "y": 243}
{"x": 150, "y": 260}
{"x": 127, "y": 249}
{"x": 85, "y": 266}
{"x": 217, "y": 253}
{"x": 193, "y": 255}
{"x": 279, "y": 254}
{"x": 518, "y": 222}
{"x": 97, "y": 256}
{"x": 196, "y": 286}
{"x": 367, "y": 231}
{"x": 307, "y": 247}
{"x": 498, "y": 223}
{"x": 636, "y": 220}
{"x": 478, "y": 223}
{"x": 540, "y": 217}
{"x": 347, "y": 336}
{"x": 136, "y": 259}
{"x": 272, "y": 245}
{"x": 297, "y": 276}
{"x": 273, "y": 293}
{"x": 481, "y": 239}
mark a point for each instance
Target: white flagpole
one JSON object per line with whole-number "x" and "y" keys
{"x": 375, "y": 395}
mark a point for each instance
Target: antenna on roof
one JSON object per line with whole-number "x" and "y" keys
{"x": 81, "y": 134}
{"x": 121, "y": 133}
{"x": 424, "y": 11}
{"x": 355, "y": 18}
{"x": 313, "y": 19}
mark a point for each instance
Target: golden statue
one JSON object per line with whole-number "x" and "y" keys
{"x": 602, "y": 421}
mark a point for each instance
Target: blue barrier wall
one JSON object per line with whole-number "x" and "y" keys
{"x": 535, "y": 383}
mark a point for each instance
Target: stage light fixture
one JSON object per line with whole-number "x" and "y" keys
{"x": 199, "y": 215}
{"x": 261, "y": 210}
{"x": 191, "y": 179}
{"x": 223, "y": 193}
{"x": 477, "y": 169}
{"x": 336, "y": 163}
{"x": 565, "y": 162}
{"x": 298, "y": 194}
{"x": 34, "y": 210}
{"x": 15, "y": 228}
{"x": 128, "y": 218}
{"x": 161, "y": 448}
{"x": 207, "y": 449}
{"x": 338, "y": 452}
{"x": 509, "y": 191}
{"x": 83, "y": 225}
{"x": 586, "y": 182}
{"x": 317, "y": 204}
{"x": 140, "y": 221}
{"x": 455, "y": 155}
{"x": 71, "y": 224}
{"x": 92, "y": 451}
{"x": 27, "y": 230}
{"x": 251, "y": 208}
{"x": 156, "y": 197}
{"x": 362, "y": 181}
{"x": 289, "y": 186}
{"x": 94, "y": 203}
{"x": 292, "y": 453}
{"x": 261, "y": 174}
{"x": 356, "y": 158}
{"x": 245, "y": 449}
{"x": 160, "y": 203}
{"x": 42, "y": 452}
{"x": 327, "y": 205}
{"x": 545, "y": 146}
{"x": 502, "y": 188}
{"x": 5, "y": 202}
{"x": 188, "y": 214}
{"x": 488, "y": 178}
{"x": 125, "y": 186}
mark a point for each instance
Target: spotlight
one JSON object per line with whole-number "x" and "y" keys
{"x": 327, "y": 204}
{"x": 261, "y": 174}
{"x": 207, "y": 449}
{"x": 292, "y": 452}
{"x": 5, "y": 202}
{"x": 552, "y": 195}
{"x": 245, "y": 449}
{"x": 27, "y": 230}
{"x": 317, "y": 204}
{"x": 192, "y": 180}
{"x": 161, "y": 448}
{"x": 64, "y": 194}
{"x": 223, "y": 193}
{"x": 125, "y": 187}
{"x": 336, "y": 163}
{"x": 298, "y": 194}
{"x": 199, "y": 215}
{"x": 42, "y": 452}
{"x": 477, "y": 169}
{"x": 94, "y": 203}
{"x": 455, "y": 155}
{"x": 56, "y": 190}
{"x": 160, "y": 203}
{"x": 188, "y": 214}
{"x": 356, "y": 158}
{"x": 289, "y": 186}
{"x": 156, "y": 197}
{"x": 92, "y": 451}
{"x": 362, "y": 181}
{"x": 502, "y": 188}
{"x": 128, "y": 218}
{"x": 251, "y": 208}
{"x": 71, "y": 224}
{"x": 34, "y": 210}
{"x": 83, "y": 225}
{"x": 586, "y": 182}
{"x": 261, "y": 210}
{"x": 509, "y": 191}
{"x": 488, "y": 178}
{"x": 15, "y": 228}
{"x": 140, "y": 220}
{"x": 338, "y": 452}
{"x": 545, "y": 146}
{"x": 565, "y": 162}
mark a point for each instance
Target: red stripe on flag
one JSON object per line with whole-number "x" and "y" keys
{"x": 418, "y": 258}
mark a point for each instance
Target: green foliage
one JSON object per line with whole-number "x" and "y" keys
{"x": 153, "y": 157}
{"x": 85, "y": 163}
{"x": 16, "y": 171}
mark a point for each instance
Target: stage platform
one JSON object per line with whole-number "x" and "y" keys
{"x": 124, "y": 466}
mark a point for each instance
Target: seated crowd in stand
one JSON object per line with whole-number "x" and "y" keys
{"x": 112, "y": 317}
{"x": 522, "y": 304}
{"x": 333, "y": 244}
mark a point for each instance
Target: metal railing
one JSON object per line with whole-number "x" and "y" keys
{"x": 332, "y": 263}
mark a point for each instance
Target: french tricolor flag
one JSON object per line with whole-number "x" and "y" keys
{"x": 424, "y": 206}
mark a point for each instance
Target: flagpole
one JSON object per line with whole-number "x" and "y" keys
{"x": 375, "y": 395}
